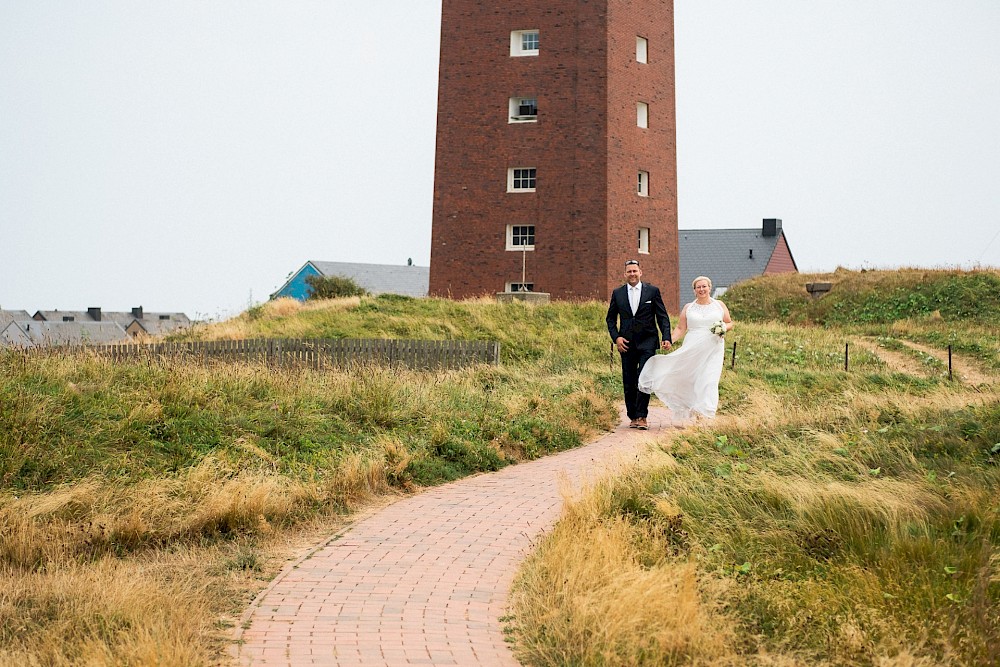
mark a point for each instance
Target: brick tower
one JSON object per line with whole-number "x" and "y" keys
{"x": 556, "y": 152}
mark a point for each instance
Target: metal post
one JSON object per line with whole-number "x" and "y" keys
{"x": 949, "y": 363}
{"x": 847, "y": 354}
{"x": 732, "y": 363}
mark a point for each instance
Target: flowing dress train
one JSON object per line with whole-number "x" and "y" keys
{"x": 687, "y": 380}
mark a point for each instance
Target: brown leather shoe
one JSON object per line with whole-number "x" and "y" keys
{"x": 641, "y": 424}
{"x": 633, "y": 424}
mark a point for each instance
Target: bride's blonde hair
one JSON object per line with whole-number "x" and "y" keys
{"x": 693, "y": 282}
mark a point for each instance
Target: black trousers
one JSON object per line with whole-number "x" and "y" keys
{"x": 636, "y": 402}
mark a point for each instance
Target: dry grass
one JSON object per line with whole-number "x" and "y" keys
{"x": 107, "y": 613}
{"x": 805, "y": 536}
{"x": 284, "y": 311}
{"x": 610, "y": 592}
{"x": 192, "y": 480}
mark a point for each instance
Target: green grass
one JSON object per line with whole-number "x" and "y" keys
{"x": 871, "y": 297}
{"x": 823, "y": 514}
{"x": 826, "y": 517}
{"x": 65, "y": 419}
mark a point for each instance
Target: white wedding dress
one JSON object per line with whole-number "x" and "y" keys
{"x": 687, "y": 381}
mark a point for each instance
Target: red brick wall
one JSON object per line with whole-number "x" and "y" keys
{"x": 585, "y": 146}
{"x": 781, "y": 259}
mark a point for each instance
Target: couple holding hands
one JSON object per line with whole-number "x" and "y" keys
{"x": 687, "y": 381}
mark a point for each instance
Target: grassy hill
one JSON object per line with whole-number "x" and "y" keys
{"x": 871, "y": 297}
{"x": 825, "y": 518}
{"x": 142, "y": 501}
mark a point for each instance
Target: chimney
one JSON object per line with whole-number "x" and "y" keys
{"x": 137, "y": 312}
{"x": 771, "y": 227}
{"x": 95, "y": 313}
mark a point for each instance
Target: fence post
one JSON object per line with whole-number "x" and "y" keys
{"x": 846, "y": 355}
{"x": 732, "y": 364}
{"x": 949, "y": 363}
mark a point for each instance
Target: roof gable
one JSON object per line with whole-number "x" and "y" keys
{"x": 8, "y": 316}
{"x": 727, "y": 256}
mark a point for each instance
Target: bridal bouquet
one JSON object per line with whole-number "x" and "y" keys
{"x": 719, "y": 328}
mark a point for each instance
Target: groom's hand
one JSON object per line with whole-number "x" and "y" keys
{"x": 665, "y": 345}
{"x": 621, "y": 344}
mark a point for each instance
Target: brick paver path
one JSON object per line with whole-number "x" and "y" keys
{"x": 423, "y": 581}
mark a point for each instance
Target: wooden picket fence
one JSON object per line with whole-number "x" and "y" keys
{"x": 319, "y": 353}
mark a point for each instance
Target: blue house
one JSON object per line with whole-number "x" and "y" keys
{"x": 374, "y": 278}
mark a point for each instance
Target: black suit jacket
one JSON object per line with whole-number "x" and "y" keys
{"x": 639, "y": 329}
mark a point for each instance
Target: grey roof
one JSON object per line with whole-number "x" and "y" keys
{"x": 12, "y": 335}
{"x": 161, "y": 322}
{"x": 157, "y": 324}
{"x": 71, "y": 333}
{"x": 152, "y": 323}
{"x": 61, "y": 315}
{"x": 727, "y": 256}
{"x": 380, "y": 278}
{"x": 8, "y": 316}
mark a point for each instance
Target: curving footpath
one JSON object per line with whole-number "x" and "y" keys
{"x": 423, "y": 581}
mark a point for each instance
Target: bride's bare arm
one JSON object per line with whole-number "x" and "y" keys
{"x": 682, "y": 325}
{"x": 726, "y": 318}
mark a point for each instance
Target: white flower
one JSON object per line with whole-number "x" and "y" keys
{"x": 719, "y": 328}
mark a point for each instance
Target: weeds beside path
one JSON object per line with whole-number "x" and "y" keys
{"x": 965, "y": 370}
{"x": 424, "y": 580}
{"x": 895, "y": 361}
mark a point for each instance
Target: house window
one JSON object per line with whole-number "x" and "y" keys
{"x": 520, "y": 287}
{"x": 642, "y": 114}
{"x": 644, "y": 240}
{"x": 520, "y": 237}
{"x": 524, "y": 43}
{"x": 641, "y": 49}
{"x": 523, "y": 110}
{"x": 521, "y": 179}
{"x": 643, "y": 183}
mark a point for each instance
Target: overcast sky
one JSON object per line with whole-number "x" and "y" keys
{"x": 187, "y": 155}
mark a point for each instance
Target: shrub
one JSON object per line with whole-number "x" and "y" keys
{"x": 333, "y": 287}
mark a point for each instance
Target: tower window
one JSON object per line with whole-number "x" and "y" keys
{"x": 523, "y": 110}
{"x": 520, "y": 237}
{"x": 641, "y": 49}
{"x": 644, "y": 240}
{"x": 643, "y": 183}
{"x": 521, "y": 179}
{"x": 642, "y": 114}
{"x": 524, "y": 43}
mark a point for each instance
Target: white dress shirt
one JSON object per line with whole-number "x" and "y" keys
{"x": 633, "y": 296}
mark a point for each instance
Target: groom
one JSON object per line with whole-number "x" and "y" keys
{"x": 639, "y": 308}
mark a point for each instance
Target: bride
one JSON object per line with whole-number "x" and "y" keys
{"x": 687, "y": 380}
